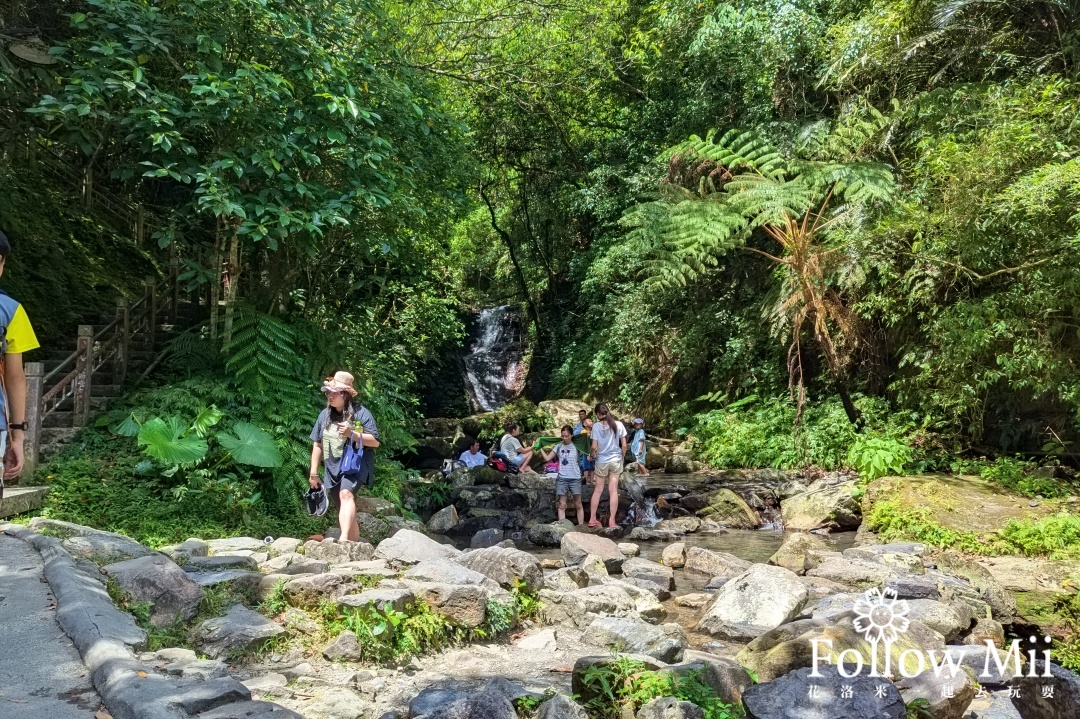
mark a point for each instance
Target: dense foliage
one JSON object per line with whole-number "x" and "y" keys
{"x": 881, "y": 212}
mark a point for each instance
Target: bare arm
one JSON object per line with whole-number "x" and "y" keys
{"x": 368, "y": 440}
{"x": 316, "y": 458}
{"x": 548, "y": 456}
{"x": 15, "y": 384}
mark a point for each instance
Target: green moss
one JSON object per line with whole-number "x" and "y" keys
{"x": 1056, "y": 536}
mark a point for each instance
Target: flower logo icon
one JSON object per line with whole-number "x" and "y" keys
{"x": 880, "y": 616}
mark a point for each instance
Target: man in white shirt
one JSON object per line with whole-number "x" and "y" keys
{"x": 473, "y": 457}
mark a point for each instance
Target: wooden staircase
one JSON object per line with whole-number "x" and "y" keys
{"x": 66, "y": 390}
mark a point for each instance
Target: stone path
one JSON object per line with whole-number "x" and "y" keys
{"x": 41, "y": 675}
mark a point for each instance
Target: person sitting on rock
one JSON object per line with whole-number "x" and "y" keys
{"x": 510, "y": 445}
{"x": 568, "y": 478}
{"x": 473, "y": 457}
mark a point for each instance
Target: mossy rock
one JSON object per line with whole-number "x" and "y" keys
{"x": 964, "y": 503}
{"x": 728, "y": 508}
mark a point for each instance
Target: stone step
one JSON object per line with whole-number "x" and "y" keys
{"x": 59, "y": 418}
{"x": 20, "y": 500}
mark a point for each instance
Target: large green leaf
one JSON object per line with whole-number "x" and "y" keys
{"x": 166, "y": 440}
{"x": 247, "y": 444}
{"x": 207, "y": 418}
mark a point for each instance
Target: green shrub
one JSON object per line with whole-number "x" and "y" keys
{"x": 761, "y": 432}
{"x": 874, "y": 456}
{"x": 624, "y": 685}
{"x": 1022, "y": 477}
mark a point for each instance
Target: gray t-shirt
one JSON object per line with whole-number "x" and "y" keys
{"x": 333, "y": 444}
{"x": 509, "y": 445}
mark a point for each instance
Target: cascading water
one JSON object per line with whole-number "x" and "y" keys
{"x": 492, "y": 367}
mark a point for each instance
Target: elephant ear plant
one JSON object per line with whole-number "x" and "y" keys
{"x": 194, "y": 461}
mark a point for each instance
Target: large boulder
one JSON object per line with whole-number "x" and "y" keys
{"x": 750, "y": 604}
{"x": 235, "y": 544}
{"x": 310, "y": 590}
{"x": 797, "y": 695}
{"x": 379, "y": 597}
{"x": 792, "y": 554}
{"x": 1001, "y": 602}
{"x": 337, "y": 551}
{"x": 682, "y": 525}
{"x": 1047, "y": 697}
{"x": 464, "y": 605}
{"x": 854, "y": 573}
{"x": 665, "y": 642}
{"x": 724, "y": 675}
{"x": 906, "y": 556}
{"x": 670, "y": 708}
{"x": 411, "y": 547}
{"x": 89, "y": 543}
{"x": 649, "y": 571}
{"x": 825, "y": 504}
{"x": 946, "y": 695}
{"x": 581, "y": 606}
{"x": 790, "y": 646}
{"x": 486, "y": 538}
{"x": 566, "y": 579}
{"x": 674, "y": 555}
{"x": 942, "y": 618}
{"x": 294, "y": 564}
{"x": 564, "y": 411}
{"x": 578, "y": 545}
{"x": 443, "y": 521}
{"x": 715, "y": 564}
{"x": 156, "y": 579}
{"x": 729, "y": 509}
{"x": 508, "y": 567}
{"x": 345, "y": 647}
{"x": 239, "y": 630}
{"x": 486, "y": 704}
{"x": 445, "y": 571}
{"x": 560, "y": 706}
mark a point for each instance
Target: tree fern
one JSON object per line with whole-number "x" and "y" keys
{"x": 192, "y": 352}
{"x": 262, "y": 357}
{"x": 795, "y": 202}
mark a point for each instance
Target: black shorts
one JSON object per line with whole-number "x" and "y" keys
{"x": 364, "y": 478}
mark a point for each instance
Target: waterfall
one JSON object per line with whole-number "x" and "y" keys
{"x": 492, "y": 367}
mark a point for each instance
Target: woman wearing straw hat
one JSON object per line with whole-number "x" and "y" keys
{"x": 342, "y": 421}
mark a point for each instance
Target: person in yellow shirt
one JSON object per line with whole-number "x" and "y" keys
{"x": 19, "y": 338}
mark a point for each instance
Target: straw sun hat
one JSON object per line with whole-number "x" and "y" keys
{"x": 340, "y": 382}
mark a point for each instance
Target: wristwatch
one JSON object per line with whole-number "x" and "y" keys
{"x": 18, "y": 425}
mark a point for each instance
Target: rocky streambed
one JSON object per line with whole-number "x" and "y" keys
{"x": 534, "y": 626}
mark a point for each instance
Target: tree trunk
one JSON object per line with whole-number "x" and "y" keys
{"x": 850, "y": 409}
{"x": 215, "y": 288}
{"x": 234, "y": 284}
{"x": 513, "y": 259}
